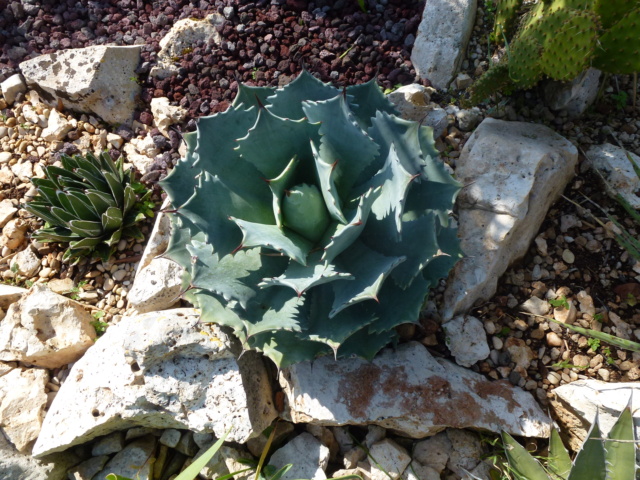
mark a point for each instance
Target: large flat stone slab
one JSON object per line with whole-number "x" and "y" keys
{"x": 409, "y": 391}
{"x": 160, "y": 370}
{"x": 512, "y": 172}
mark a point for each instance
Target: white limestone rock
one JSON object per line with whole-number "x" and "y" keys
{"x": 57, "y": 128}
{"x": 165, "y": 115}
{"x": 434, "y": 452}
{"x": 391, "y": 460}
{"x": 513, "y": 172}
{"x": 158, "y": 240}
{"x": 573, "y": 97}
{"x": 45, "y": 329}
{"x": 416, "y": 471}
{"x": 160, "y": 370}
{"x": 536, "y": 305}
{"x": 615, "y": 167}
{"x": 181, "y": 38}
{"x": 7, "y": 211}
{"x": 157, "y": 286}
{"x": 575, "y": 405}
{"x": 13, "y": 233}
{"x": 308, "y": 456}
{"x": 26, "y": 262}
{"x": 407, "y": 390}
{"x": 442, "y": 39}
{"x": 11, "y": 87}
{"x": 22, "y": 403}
{"x": 224, "y": 462}
{"x": 98, "y": 79}
{"x": 134, "y": 461}
{"x": 413, "y": 103}
{"x": 467, "y": 340}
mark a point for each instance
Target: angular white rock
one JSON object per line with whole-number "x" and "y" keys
{"x": 573, "y": 97}
{"x": 57, "y": 128}
{"x": 133, "y": 461}
{"x": 157, "y": 286}
{"x": 45, "y": 329}
{"x": 391, "y": 457}
{"x": 575, "y": 405}
{"x": 467, "y": 340}
{"x": 22, "y": 402}
{"x": 160, "y": 370}
{"x": 11, "y": 87}
{"x": 615, "y": 167}
{"x": 26, "y": 262}
{"x": 413, "y": 103}
{"x": 442, "y": 39}
{"x": 513, "y": 171}
{"x": 536, "y": 305}
{"x": 410, "y": 391}
{"x": 308, "y": 456}
{"x": 7, "y": 210}
{"x": 97, "y": 79}
{"x": 10, "y": 294}
{"x": 158, "y": 240}
{"x": 165, "y": 115}
{"x": 182, "y": 37}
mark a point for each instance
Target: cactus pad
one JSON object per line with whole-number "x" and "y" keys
{"x": 619, "y": 49}
{"x": 524, "y": 62}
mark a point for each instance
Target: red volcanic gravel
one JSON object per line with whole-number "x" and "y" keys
{"x": 264, "y": 42}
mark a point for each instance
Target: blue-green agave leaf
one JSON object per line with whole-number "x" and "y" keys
{"x": 366, "y": 100}
{"x": 181, "y": 182}
{"x": 281, "y": 240}
{"x": 559, "y": 460}
{"x": 328, "y": 188}
{"x": 301, "y": 278}
{"x": 590, "y": 460}
{"x": 276, "y": 309}
{"x": 287, "y": 101}
{"x": 279, "y": 185}
{"x": 249, "y": 96}
{"x": 213, "y": 309}
{"x": 370, "y": 270}
{"x": 365, "y": 344}
{"x": 620, "y": 449}
{"x": 285, "y": 348}
{"x": 342, "y": 236}
{"x": 521, "y": 461}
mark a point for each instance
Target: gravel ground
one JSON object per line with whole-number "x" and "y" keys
{"x": 267, "y": 43}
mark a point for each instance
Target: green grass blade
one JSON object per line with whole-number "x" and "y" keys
{"x": 193, "y": 470}
{"x": 621, "y": 455}
{"x": 523, "y": 464}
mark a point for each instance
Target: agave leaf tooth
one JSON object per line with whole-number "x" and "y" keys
{"x": 559, "y": 461}
{"x": 325, "y": 169}
{"x": 620, "y": 449}
{"x": 273, "y": 141}
{"x": 397, "y": 305}
{"x": 213, "y": 310}
{"x": 370, "y": 270}
{"x": 249, "y": 96}
{"x": 342, "y": 236}
{"x": 285, "y": 348}
{"x": 521, "y": 461}
{"x": 590, "y": 460}
{"x": 302, "y": 278}
{"x": 342, "y": 140}
{"x": 182, "y": 180}
{"x": 282, "y": 240}
{"x": 276, "y": 309}
{"x": 368, "y": 99}
{"x": 182, "y": 231}
{"x": 431, "y": 155}
{"x": 442, "y": 264}
{"x": 280, "y": 184}
{"x": 287, "y": 101}
{"x": 223, "y": 275}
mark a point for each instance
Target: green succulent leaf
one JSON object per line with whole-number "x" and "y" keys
{"x": 620, "y": 449}
{"x": 287, "y": 102}
{"x": 249, "y": 96}
{"x": 366, "y": 100}
{"x": 521, "y": 461}
{"x": 590, "y": 461}
{"x": 559, "y": 459}
{"x": 111, "y": 219}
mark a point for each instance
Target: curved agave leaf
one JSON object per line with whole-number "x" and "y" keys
{"x": 287, "y": 101}
{"x": 590, "y": 461}
{"x": 522, "y": 463}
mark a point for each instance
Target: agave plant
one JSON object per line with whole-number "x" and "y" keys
{"x": 610, "y": 458}
{"x": 311, "y": 220}
{"x": 89, "y": 203}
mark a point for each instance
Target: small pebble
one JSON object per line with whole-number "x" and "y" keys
{"x": 553, "y": 340}
{"x": 568, "y": 256}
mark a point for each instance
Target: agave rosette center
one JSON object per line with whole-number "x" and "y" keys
{"x": 311, "y": 220}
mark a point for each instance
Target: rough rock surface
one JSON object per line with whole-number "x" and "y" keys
{"x": 157, "y": 286}
{"x": 512, "y": 172}
{"x": 309, "y": 457}
{"x": 10, "y": 294}
{"x": 45, "y": 329}
{"x": 98, "y": 79}
{"x": 22, "y": 402}
{"x": 615, "y": 167}
{"x": 391, "y": 460}
{"x": 467, "y": 340}
{"x": 442, "y": 39}
{"x": 134, "y": 461}
{"x": 413, "y": 103}
{"x": 165, "y": 115}
{"x": 576, "y": 403}
{"x": 160, "y": 370}
{"x": 573, "y": 97}
{"x": 410, "y": 391}
{"x": 11, "y": 87}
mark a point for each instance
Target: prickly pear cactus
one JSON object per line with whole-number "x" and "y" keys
{"x": 558, "y": 39}
{"x": 311, "y": 220}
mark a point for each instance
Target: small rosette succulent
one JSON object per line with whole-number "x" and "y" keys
{"x": 311, "y": 220}
{"x": 90, "y": 203}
